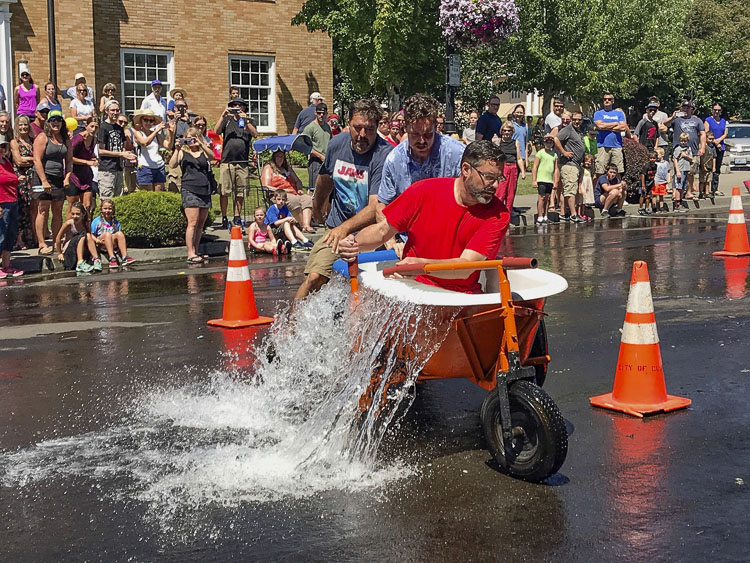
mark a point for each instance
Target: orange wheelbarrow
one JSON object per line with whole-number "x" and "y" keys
{"x": 497, "y": 340}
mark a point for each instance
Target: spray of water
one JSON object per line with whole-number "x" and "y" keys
{"x": 308, "y": 418}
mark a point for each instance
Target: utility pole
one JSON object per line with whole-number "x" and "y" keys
{"x": 51, "y": 36}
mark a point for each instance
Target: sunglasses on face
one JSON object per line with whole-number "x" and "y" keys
{"x": 609, "y": 99}
{"x": 55, "y": 119}
{"x": 148, "y": 119}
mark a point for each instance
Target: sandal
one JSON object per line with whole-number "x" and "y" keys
{"x": 45, "y": 250}
{"x": 195, "y": 260}
{"x": 308, "y": 230}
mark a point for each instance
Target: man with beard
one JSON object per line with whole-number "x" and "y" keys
{"x": 446, "y": 219}
{"x": 349, "y": 178}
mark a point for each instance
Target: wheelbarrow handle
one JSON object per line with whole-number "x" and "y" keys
{"x": 509, "y": 263}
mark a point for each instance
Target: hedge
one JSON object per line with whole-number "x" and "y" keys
{"x": 153, "y": 219}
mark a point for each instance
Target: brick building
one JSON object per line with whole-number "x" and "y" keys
{"x": 203, "y": 47}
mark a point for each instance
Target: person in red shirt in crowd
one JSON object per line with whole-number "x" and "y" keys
{"x": 335, "y": 124}
{"x": 8, "y": 209}
{"x": 446, "y": 219}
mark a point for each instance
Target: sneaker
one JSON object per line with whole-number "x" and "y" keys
{"x": 237, "y": 221}
{"x": 665, "y": 208}
{"x": 719, "y": 193}
{"x": 279, "y": 247}
{"x": 287, "y": 247}
{"x": 684, "y": 205}
{"x": 84, "y": 267}
{"x": 308, "y": 244}
{"x": 127, "y": 261}
{"x": 576, "y": 219}
{"x": 565, "y": 218}
{"x": 113, "y": 263}
{"x": 605, "y": 213}
{"x": 224, "y": 223}
{"x": 641, "y": 212}
{"x": 539, "y": 220}
{"x": 614, "y": 212}
{"x": 298, "y": 247}
{"x": 546, "y": 219}
{"x": 97, "y": 266}
{"x": 621, "y": 213}
{"x": 12, "y": 272}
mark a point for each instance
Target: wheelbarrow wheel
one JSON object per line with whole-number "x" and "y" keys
{"x": 539, "y": 438}
{"x": 539, "y": 348}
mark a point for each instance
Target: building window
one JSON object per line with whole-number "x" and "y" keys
{"x": 138, "y": 68}
{"x": 255, "y": 78}
{"x": 515, "y": 95}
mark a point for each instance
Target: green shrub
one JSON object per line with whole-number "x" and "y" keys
{"x": 153, "y": 219}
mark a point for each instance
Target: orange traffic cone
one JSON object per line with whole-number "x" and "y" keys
{"x": 239, "y": 299}
{"x": 639, "y": 380}
{"x": 735, "y": 242}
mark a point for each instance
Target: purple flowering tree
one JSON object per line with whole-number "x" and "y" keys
{"x": 468, "y": 24}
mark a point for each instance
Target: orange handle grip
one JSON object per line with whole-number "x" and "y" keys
{"x": 510, "y": 263}
{"x": 353, "y": 273}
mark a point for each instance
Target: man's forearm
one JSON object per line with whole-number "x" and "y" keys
{"x": 373, "y": 236}
{"x": 363, "y": 219}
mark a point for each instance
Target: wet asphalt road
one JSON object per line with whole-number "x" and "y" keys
{"x": 668, "y": 488}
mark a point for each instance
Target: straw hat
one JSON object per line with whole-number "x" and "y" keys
{"x": 141, "y": 113}
{"x": 182, "y": 91}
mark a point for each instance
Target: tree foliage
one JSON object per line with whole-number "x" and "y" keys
{"x": 381, "y": 47}
{"x": 581, "y": 48}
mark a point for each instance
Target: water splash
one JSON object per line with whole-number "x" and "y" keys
{"x": 293, "y": 426}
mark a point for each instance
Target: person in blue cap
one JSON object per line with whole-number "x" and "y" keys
{"x": 155, "y": 101}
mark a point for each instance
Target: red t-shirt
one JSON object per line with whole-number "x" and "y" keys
{"x": 8, "y": 182}
{"x": 440, "y": 228}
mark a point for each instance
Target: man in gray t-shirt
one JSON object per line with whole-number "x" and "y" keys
{"x": 569, "y": 143}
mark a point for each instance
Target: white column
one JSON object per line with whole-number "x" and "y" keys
{"x": 528, "y": 103}
{"x": 6, "y": 54}
{"x": 537, "y": 109}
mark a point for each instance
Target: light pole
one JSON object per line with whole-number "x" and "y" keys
{"x": 452, "y": 80}
{"x": 52, "y": 47}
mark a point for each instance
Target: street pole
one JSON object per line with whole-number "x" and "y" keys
{"x": 52, "y": 47}
{"x": 450, "y": 100}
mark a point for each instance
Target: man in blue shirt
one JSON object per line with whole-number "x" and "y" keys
{"x": 611, "y": 124}
{"x": 489, "y": 123}
{"x": 307, "y": 115}
{"x": 349, "y": 180}
{"x": 424, "y": 153}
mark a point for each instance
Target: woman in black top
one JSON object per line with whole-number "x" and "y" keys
{"x": 53, "y": 162}
{"x": 506, "y": 190}
{"x": 194, "y": 159}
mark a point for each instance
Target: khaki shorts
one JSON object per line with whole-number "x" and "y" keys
{"x": 110, "y": 184}
{"x": 569, "y": 173}
{"x": 694, "y": 166}
{"x": 174, "y": 179}
{"x": 233, "y": 179}
{"x": 298, "y": 201}
{"x": 321, "y": 260}
{"x": 606, "y": 156}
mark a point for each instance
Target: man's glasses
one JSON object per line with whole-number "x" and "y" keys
{"x": 609, "y": 99}
{"x": 494, "y": 105}
{"x": 488, "y": 179}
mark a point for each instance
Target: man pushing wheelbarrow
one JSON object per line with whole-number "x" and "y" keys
{"x": 455, "y": 227}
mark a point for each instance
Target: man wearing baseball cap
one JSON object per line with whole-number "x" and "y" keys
{"x": 70, "y": 93}
{"x": 154, "y": 101}
{"x": 307, "y": 115}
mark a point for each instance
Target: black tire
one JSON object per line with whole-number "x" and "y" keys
{"x": 539, "y": 348}
{"x": 540, "y": 441}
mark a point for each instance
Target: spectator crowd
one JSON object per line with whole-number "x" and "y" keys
{"x": 52, "y": 155}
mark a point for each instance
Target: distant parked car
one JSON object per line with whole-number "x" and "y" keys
{"x": 738, "y": 145}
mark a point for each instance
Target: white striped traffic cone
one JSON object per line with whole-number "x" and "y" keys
{"x": 239, "y": 298}
{"x": 735, "y": 241}
{"x": 639, "y": 379}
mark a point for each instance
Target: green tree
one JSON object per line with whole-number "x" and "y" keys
{"x": 381, "y": 47}
{"x": 581, "y": 48}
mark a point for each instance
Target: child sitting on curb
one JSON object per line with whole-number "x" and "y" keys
{"x": 261, "y": 237}
{"x": 107, "y": 233}
{"x": 74, "y": 243}
{"x": 283, "y": 225}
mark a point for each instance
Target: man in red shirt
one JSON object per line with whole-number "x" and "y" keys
{"x": 446, "y": 219}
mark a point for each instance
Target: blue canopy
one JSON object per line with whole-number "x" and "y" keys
{"x": 286, "y": 143}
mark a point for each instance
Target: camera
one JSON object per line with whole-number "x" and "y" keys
{"x": 186, "y": 141}
{"x": 235, "y": 110}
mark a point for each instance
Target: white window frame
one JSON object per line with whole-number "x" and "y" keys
{"x": 170, "y": 71}
{"x": 515, "y": 94}
{"x": 271, "y": 127}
